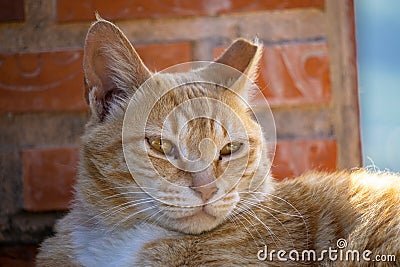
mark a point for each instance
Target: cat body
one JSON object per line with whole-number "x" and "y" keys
{"x": 181, "y": 177}
{"x": 359, "y": 207}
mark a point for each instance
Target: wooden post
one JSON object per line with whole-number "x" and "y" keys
{"x": 340, "y": 22}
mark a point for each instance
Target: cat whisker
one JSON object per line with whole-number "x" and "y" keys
{"x": 158, "y": 218}
{"x": 233, "y": 219}
{"x": 116, "y": 209}
{"x": 279, "y": 198}
{"x": 150, "y": 216}
{"x": 242, "y": 210}
{"x": 130, "y": 216}
{"x": 271, "y": 196}
{"x": 298, "y": 212}
{"x": 248, "y": 211}
{"x": 130, "y": 204}
{"x": 278, "y": 211}
{"x": 124, "y": 193}
{"x": 118, "y": 188}
{"x": 247, "y": 229}
{"x": 126, "y": 187}
{"x": 253, "y": 204}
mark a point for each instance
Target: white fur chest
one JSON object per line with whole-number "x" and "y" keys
{"x": 95, "y": 247}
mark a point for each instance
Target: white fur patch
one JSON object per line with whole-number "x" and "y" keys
{"x": 97, "y": 248}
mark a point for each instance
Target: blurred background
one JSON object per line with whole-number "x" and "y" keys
{"x": 378, "y": 43}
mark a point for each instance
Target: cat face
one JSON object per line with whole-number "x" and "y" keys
{"x": 180, "y": 149}
{"x": 197, "y": 164}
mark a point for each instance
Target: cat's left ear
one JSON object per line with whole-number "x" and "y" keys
{"x": 113, "y": 70}
{"x": 241, "y": 55}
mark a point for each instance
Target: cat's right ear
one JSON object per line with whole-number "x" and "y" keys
{"x": 113, "y": 69}
{"x": 242, "y": 58}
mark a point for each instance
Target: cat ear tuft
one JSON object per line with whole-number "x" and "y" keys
{"x": 98, "y": 17}
{"x": 112, "y": 68}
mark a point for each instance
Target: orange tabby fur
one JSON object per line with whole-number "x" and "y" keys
{"x": 309, "y": 212}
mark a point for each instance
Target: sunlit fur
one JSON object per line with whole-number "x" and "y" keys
{"x": 114, "y": 222}
{"x": 312, "y": 211}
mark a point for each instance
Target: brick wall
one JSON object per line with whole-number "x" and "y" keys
{"x": 42, "y": 111}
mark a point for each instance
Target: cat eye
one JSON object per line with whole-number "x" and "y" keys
{"x": 230, "y": 148}
{"x": 161, "y": 145}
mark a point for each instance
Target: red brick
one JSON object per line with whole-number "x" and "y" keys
{"x": 53, "y": 81}
{"x": 17, "y": 255}
{"x": 41, "y": 81}
{"x": 161, "y": 56}
{"x": 11, "y": 10}
{"x": 292, "y": 158}
{"x": 49, "y": 175}
{"x": 68, "y": 10}
{"x": 294, "y": 74}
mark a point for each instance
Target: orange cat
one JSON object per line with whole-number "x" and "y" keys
{"x": 201, "y": 193}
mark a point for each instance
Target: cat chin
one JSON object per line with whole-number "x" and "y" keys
{"x": 195, "y": 224}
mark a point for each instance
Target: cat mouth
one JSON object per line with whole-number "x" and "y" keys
{"x": 201, "y": 214}
{"x": 196, "y": 221}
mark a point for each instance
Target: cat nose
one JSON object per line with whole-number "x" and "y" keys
{"x": 203, "y": 182}
{"x": 206, "y": 192}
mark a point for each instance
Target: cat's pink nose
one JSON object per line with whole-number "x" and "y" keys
{"x": 204, "y": 183}
{"x": 206, "y": 192}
